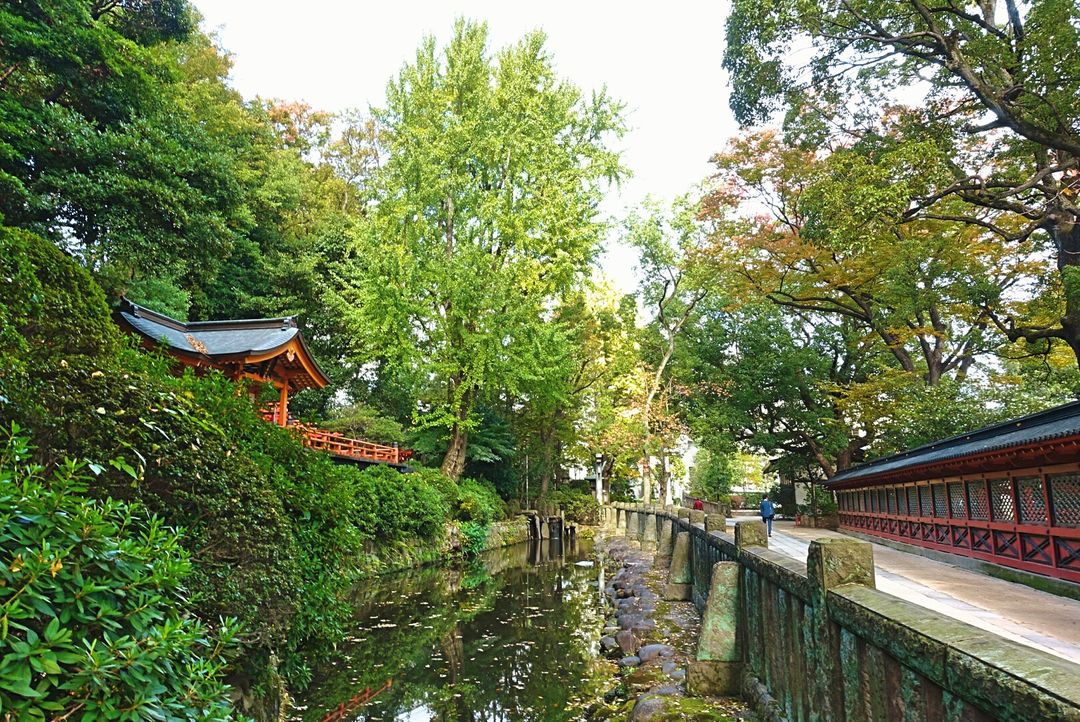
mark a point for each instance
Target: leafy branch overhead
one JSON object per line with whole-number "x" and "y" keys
{"x": 993, "y": 85}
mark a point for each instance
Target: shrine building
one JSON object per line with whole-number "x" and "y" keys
{"x": 1008, "y": 494}
{"x": 265, "y": 351}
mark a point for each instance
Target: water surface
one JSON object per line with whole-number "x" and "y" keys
{"x": 511, "y": 636}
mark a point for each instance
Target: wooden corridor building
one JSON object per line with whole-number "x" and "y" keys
{"x": 1007, "y": 494}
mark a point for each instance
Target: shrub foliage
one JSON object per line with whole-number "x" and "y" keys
{"x": 95, "y": 617}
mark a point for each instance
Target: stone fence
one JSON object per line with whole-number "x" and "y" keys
{"x": 818, "y": 642}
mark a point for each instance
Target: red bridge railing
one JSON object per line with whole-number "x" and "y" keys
{"x": 341, "y": 446}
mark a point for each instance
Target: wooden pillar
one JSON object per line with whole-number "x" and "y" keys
{"x": 283, "y": 405}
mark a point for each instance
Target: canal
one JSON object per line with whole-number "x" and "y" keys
{"x": 509, "y": 636}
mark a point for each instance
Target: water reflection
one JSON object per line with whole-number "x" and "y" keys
{"x": 511, "y": 636}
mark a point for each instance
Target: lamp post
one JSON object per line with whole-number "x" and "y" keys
{"x": 600, "y": 479}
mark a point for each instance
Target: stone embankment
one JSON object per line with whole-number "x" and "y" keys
{"x": 652, "y": 634}
{"x": 814, "y": 641}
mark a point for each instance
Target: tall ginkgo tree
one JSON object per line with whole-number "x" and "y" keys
{"x": 482, "y": 212}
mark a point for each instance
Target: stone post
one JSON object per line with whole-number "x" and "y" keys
{"x": 620, "y": 518}
{"x": 683, "y": 513}
{"x": 648, "y": 536}
{"x": 751, "y": 533}
{"x": 666, "y": 545}
{"x": 717, "y": 667}
{"x": 830, "y": 563}
{"x": 697, "y": 516}
{"x": 680, "y": 576}
{"x": 631, "y": 525}
{"x": 715, "y": 522}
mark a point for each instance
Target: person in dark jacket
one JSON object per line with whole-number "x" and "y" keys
{"x": 767, "y": 513}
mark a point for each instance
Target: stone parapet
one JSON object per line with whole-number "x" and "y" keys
{"x": 817, "y": 641}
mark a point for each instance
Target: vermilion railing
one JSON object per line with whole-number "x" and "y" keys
{"x": 339, "y": 445}
{"x": 1028, "y": 519}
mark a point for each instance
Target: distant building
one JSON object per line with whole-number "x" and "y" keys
{"x": 1007, "y": 494}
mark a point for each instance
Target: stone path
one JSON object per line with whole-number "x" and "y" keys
{"x": 1014, "y": 611}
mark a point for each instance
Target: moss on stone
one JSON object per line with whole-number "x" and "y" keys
{"x": 701, "y": 709}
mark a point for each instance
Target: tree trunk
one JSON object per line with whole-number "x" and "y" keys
{"x": 665, "y": 479}
{"x": 453, "y": 464}
{"x": 1067, "y": 239}
{"x": 654, "y": 389}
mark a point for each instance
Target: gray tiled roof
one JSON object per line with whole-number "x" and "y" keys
{"x": 1055, "y": 423}
{"x": 217, "y": 338}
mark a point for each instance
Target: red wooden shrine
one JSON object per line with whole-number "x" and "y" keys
{"x": 265, "y": 351}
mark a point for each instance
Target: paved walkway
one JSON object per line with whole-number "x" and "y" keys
{"x": 1014, "y": 611}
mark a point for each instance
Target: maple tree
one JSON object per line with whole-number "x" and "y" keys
{"x": 997, "y": 88}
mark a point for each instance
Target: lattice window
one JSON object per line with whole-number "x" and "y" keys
{"x": 1029, "y": 491}
{"x": 883, "y": 503}
{"x": 912, "y": 501}
{"x": 873, "y": 500}
{"x": 956, "y": 501}
{"x": 926, "y": 503}
{"x": 1065, "y": 499}
{"x": 1001, "y": 496}
{"x": 978, "y": 504}
{"x": 939, "y": 500}
{"x": 890, "y": 496}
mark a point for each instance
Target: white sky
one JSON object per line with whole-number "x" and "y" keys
{"x": 663, "y": 63}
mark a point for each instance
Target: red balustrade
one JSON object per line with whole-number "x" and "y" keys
{"x": 1028, "y": 519}
{"x": 341, "y": 446}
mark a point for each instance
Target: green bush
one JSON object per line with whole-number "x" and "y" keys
{"x": 50, "y": 301}
{"x": 478, "y": 501}
{"x": 474, "y": 536}
{"x": 580, "y": 506}
{"x": 96, "y": 623}
{"x": 393, "y": 506}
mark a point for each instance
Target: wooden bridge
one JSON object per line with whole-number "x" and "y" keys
{"x": 340, "y": 446}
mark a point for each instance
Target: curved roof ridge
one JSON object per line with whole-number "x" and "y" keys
{"x": 938, "y": 450}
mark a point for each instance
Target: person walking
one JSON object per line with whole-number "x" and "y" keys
{"x": 767, "y": 513}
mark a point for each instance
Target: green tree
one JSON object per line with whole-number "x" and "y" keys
{"x": 482, "y": 212}
{"x": 713, "y": 474}
{"x": 676, "y": 276}
{"x": 96, "y": 152}
{"x": 596, "y": 344}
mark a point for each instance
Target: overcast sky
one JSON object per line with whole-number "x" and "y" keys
{"x": 665, "y": 65}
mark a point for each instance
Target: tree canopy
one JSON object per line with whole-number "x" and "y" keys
{"x": 483, "y": 212}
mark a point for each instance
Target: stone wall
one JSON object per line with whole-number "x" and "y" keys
{"x": 818, "y": 642}
{"x": 507, "y": 533}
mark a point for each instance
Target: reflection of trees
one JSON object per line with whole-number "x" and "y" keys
{"x": 510, "y": 637}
